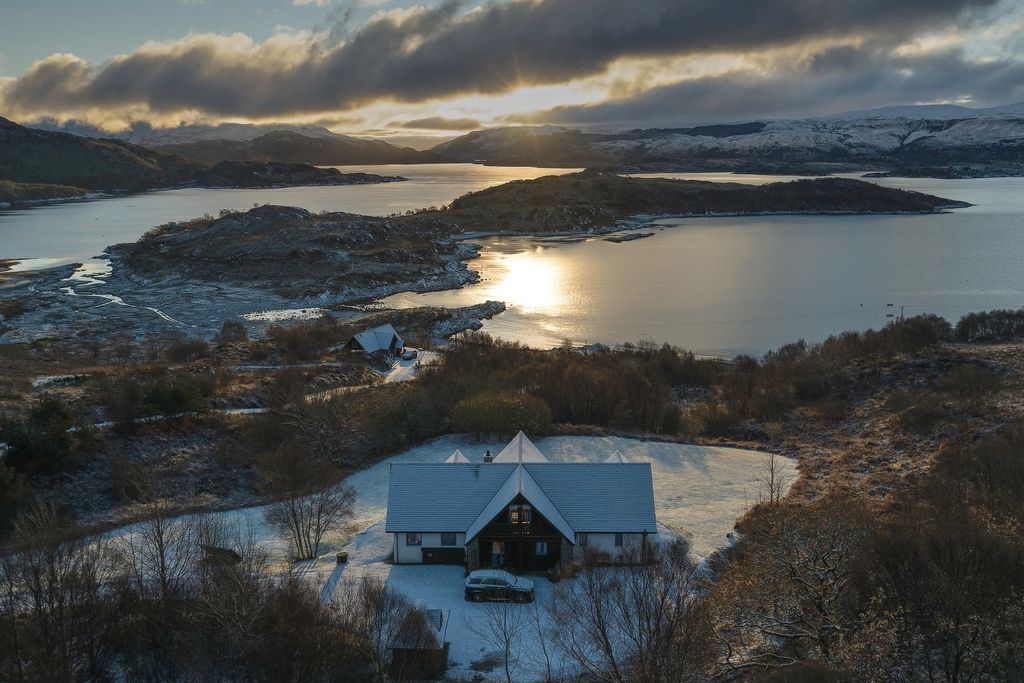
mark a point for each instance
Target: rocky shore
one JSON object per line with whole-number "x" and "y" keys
{"x": 189, "y": 278}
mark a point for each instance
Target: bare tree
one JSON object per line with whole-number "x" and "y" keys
{"x": 382, "y": 616}
{"x": 53, "y": 616}
{"x": 123, "y": 349}
{"x": 632, "y": 623}
{"x": 785, "y": 602}
{"x": 501, "y": 627}
{"x": 160, "y": 556}
{"x": 536, "y": 617}
{"x": 773, "y": 482}
{"x": 308, "y": 507}
{"x": 323, "y": 425}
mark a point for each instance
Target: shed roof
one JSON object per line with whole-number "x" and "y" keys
{"x": 378, "y": 338}
{"x": 589, "y": 497}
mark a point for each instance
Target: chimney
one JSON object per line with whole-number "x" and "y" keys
{"x": 488, "y": 457}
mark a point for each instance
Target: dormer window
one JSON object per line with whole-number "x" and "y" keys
{"x": 520, "y": 514}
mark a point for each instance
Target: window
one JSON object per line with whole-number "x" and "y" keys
{"x": 414, "y": 539}
{"x": 448, "y": 538}
{"x": 582, "y": 539}
{"x": 520, "y": 514}
{"x": 542, "y": 548}
{"x": 618, "y": 540}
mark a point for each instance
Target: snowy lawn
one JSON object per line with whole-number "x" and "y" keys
{"x": 698, "y": 491}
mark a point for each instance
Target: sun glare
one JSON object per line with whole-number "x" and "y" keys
{"x": 531, "y": 283}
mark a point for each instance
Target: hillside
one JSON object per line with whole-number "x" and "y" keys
{"x": 304, "y": 144}
{"x": 295, "y": 147}
{"x": 593, "y": 200}
{"x": 13, "y": 193}
{"x": 988, "y": 144}
{"x": 28, "y": 155}
{"x": 42, "y": 165}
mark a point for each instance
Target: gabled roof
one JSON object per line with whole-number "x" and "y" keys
{"x": 596, "y": 497}
{"x": 519, "y": 482}
{"x": 457, "y": 456}
{"x": 520, "y": 449}
{"x": 589, "y": 497}
{"x": 379, "y": 338}
{"x": 440, "y": 496}
{"x": 617, "y": 458}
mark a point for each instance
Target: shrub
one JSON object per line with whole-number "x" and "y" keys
{"x": 711, "y": 419}
{"x": 182, "y": 394}
{"x": 42, "y": 442}
{"x": 969, "y": 384}
{"x": 501, "y": 414}
{"x": 307, "y": 341}
{"x": 232, "y": 331}
{"x": 991, "y": 326}
{"x": 185, "y": 350}
{"x": 922, "y": 418}
{"x": 832, "y": 409}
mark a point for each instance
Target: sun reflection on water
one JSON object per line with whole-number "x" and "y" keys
{"x": 530, "y": 282}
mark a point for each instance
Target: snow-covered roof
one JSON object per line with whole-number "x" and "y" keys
{"x": 589, "y": 497}
{"x": 618, "y": 458}
{"x": 457, "y": 456}
{"x": 520, "y": 449}
{"x": 519, "y": 482}
{"x": 379, "y": 338}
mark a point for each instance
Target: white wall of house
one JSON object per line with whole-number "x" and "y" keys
{"x": 412, "y": 554}
{"x": 605, "y": 543}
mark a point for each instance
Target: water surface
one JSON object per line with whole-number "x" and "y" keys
{"x": 69, "y": 232}
{"x": 722, "y": 286}
{"x": 718, "y": 286}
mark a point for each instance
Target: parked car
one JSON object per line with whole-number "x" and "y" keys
{"x": 497, "y": 585}
{"x": 410, "y": 354}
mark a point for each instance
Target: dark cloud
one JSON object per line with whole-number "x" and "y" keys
{"x": 439, "y": 123}
{"x": 443, "y": 51}
{"x": 828, "y": 82}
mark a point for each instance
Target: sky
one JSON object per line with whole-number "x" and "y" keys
{"x": 403, "y": 69}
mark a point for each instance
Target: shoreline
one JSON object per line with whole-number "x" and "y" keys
{"x": 164, "y": 298}
{"x": 98, "y": 195}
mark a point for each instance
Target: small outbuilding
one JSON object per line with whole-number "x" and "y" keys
{"x": 383, "y": 338}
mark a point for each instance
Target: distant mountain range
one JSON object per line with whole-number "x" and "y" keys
{"x": 920, "y": 140}
{"x": 930, "y": 111}
{"x": 258, "y": 142}
{"x": 39, "y": 165}
{"x": 925, "y": 140}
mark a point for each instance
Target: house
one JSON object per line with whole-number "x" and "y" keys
{"x": 520, "y": 512}
{"x": 381, "y": 338}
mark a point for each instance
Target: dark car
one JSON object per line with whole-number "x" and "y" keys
{"x": 486, "y": 585}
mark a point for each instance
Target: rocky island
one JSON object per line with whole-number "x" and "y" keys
{"x": 192, "y": 276}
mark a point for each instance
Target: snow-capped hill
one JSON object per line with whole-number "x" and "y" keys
{"x": 875, "y": 140}
{"x": 496, "y": 142}
{"x": 237, "y": 132}
{"x": 929, "y": 111}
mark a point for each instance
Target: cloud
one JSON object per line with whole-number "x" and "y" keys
{"x": 439, "y": 123}
{"x": 425, "y": 53}
{"x": 318, "y": 3}
{"x": 826, "y": 82}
